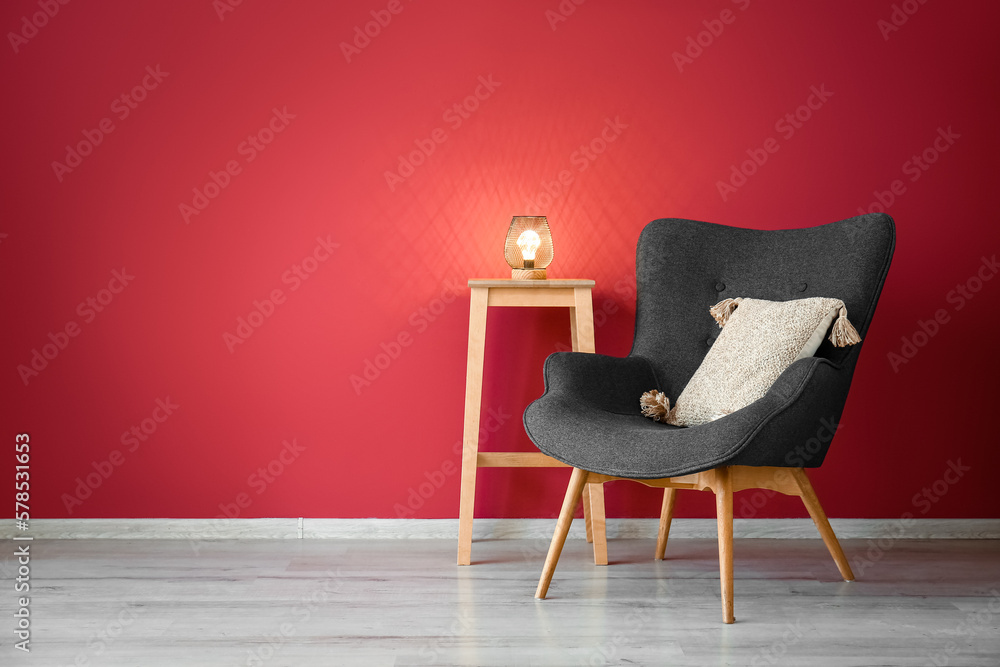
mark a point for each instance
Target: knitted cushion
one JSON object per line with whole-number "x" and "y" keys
{"x": 759, "y": 340}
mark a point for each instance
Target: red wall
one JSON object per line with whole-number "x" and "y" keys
{"x": 384, "y": 259}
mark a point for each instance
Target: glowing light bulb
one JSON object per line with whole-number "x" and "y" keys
{"x": 527, "y": 247}
{"x": 528, "y": 242}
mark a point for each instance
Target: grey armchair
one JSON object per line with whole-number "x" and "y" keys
{"x": 589, "y": 415}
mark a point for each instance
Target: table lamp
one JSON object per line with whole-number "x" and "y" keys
{"x": 528, "y": 248}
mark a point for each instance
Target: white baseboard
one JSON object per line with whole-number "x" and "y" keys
{"x": 483, "y": 529}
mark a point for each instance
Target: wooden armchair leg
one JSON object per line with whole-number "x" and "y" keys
{"x": 594, "y": 501}
{"x": 724, "y": 517}
{"x": 576, "y": 483}
{"x": 666, "y": 515}
{"x": 811, "y": 501}
{"x": 588, "y": 520}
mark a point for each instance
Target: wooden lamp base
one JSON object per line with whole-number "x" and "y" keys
{"x": 527, "y": 274}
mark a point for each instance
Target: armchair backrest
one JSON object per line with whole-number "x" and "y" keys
{"x": 684, "y": 266}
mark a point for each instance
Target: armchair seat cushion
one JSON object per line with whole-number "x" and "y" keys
{"x": 608, "y": 438}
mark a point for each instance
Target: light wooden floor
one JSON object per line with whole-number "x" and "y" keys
{"x": 404, "y": 602}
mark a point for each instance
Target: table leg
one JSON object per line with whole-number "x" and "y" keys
{"x": 574, "y": 336}
{"x": 581, "y": 319}
{"x": 473, "y": 406}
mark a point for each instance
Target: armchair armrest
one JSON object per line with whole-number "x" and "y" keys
{"x": 798, "y": 416}
{"x": 612, "y": 384}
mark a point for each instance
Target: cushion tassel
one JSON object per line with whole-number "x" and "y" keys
{"x": 722, "y": 310}
{"x": 843, "y": 332}
{"x": 655, "y": 405}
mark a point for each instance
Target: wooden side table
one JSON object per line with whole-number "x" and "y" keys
{"x": 572, "y": 294}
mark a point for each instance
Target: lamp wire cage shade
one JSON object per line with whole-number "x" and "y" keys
{"x": 543, "y": 255}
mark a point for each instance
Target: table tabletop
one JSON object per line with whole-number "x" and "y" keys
{"x": 541, "y": 284}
